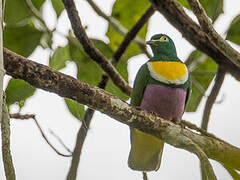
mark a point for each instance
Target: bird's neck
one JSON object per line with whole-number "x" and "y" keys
{"x": 165, "y": 57}
{"x": 164, "y": 54}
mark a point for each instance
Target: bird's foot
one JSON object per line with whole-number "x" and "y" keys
{"x": 178, "y": 122}
{"x": 138, "y": 107}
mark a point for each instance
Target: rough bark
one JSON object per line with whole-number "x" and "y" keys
{"x": 45, "y": 78}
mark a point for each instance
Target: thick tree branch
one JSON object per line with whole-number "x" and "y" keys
{"x": 213, "y": 36}
{"x": 176, "y": 15}
{"x": 6, "y": 151}
{"x": 45, "y": 78}
{"x": 212, "y": 97}
{"x": 93, "y": 52}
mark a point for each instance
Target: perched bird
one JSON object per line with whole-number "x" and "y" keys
{"x": 162, "y": 85}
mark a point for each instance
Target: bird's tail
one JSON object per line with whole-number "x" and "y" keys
{"x": 146, "y": 151}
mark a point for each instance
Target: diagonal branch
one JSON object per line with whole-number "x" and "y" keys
{"x": 50, "y": 80}
{"x": 235, "y": 175}
{"x": 81, "y": 136}
{"x": 131, "y": 34}
{"x": 176, "y": 15}
{"x": 212, "y": 97}
{"x": 213, "y": 36}
{"x": 205, "y": 164}
{"x": 118, "y": 27}
{"x": 93, "y": 52}
{"x": 82, "y": 133}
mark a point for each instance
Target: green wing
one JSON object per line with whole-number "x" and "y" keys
{"x": 139, "y": 86}
{"x": 189, "y": 89}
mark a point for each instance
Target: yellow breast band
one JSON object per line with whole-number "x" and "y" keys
{"x": 170, "y": 72}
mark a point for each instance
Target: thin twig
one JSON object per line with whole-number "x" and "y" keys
{"x": 203, "y": 132}
{"x": 212, "y": 97}
{"x": 60, "y": 141}
{"x": 22, "y": 116}
{"x": 82, "y": 133}
{"x": 36, "y": 13}
{"x": 145, "y": 176}
{"x": 32, "y": 116}
{"x": 81, "y": 136}
{"x": 6, "y": 152}
{"x": 132, "y": 33}
{"x": 213, "y": 36}
{"x": 115, "y": 23}
{"x": 93, "y": 52}
{"x": 46, "y": 139}
{"x": 119, "y": 28}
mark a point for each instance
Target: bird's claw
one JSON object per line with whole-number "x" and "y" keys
{"x": 178, "y": 122}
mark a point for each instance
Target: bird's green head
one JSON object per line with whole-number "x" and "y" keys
{"x": 162, "y": 46}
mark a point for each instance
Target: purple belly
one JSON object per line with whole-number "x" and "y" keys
{"x": 166, "y": 101}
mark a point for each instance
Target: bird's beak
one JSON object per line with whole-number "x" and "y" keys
{"x": 150, "y": 42}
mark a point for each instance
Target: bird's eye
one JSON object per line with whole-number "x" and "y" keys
{"x": 163, "y": 39}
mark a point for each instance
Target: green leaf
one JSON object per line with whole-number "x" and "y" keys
{"x": 213, "y": 8}
{"x": 10, "y": 15}
{"x": 59, "y": 58}
{"x": 184, "y": 3}
{"x": 57, "y": 6}
{"x": 127, "y": 19}
{"x": 17, "y": 10}
{"x": 37, "y": 3}
{"x": 112, "y": 88}
{"x": 75, "y": 108}
{"x": 89, "y": 71}
{"x": 203, "y": 74}
{"x": 18, "y": 91}
{"x": 233, "y": 32}
{"x": 22, "y": 40}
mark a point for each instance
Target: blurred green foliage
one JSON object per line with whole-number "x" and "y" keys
{"x": 202, "y": 74}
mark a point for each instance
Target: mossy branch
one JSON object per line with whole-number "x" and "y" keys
{"x": 50, "y": 80}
